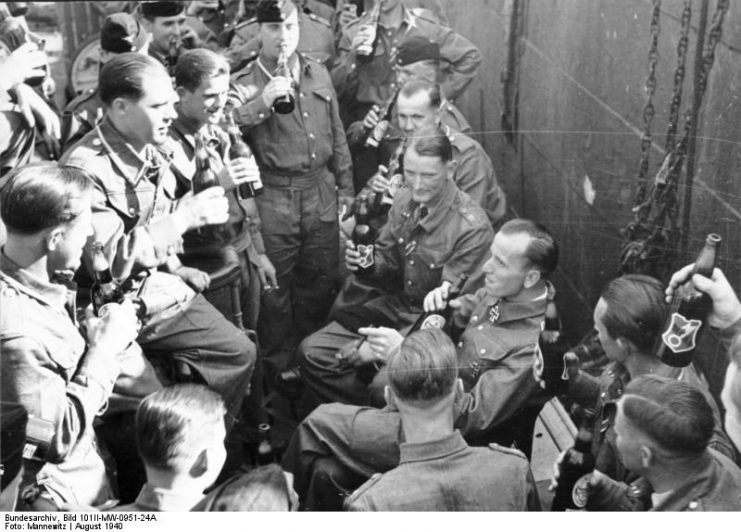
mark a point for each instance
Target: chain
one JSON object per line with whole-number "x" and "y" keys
{"x": 676, "y": 100}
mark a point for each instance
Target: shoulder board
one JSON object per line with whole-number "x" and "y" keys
{"x": 358, "y": 21}
{"x": 85, "y": 96}
{"x": 367, "y": 485}
{"x": 472, "y": 212}
{"x": 246, "y": 23}
{"x": 425, "y": 14}
{"x": 507, "y": 450}
{"x": 310, "y": 58}
{"x": 246, "y": 71}
{"x": 317, "y": 18}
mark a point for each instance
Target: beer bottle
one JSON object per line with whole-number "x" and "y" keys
{"x": 239, "y": 149}
{"x": 576, "y": 466}
{"x": 364, "y": 238}
{"x": 549, "y": 368}
{"x": 285, "y": 104}
{"x": 265, "y": 453}
{"x": 367, "y": 51}
{"x": 375, "y": 135}
{"x": 205, "y": 178}
{"x": 687, "y": 313}
{"x": 382, "y": 202}
{"x": 105, "y": 289}
{"x": 441, "y": 319}
{"x": 171, "y": 58}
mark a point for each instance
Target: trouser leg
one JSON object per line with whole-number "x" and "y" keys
{"x": 323, "y": 374}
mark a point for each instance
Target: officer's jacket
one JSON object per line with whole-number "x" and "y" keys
{"x": 449, "y": 476}
{"x": 131, "y": 196}
{"x": 243, "y": 214}
{"x": 715, "y": 487}
{"x": 496, "y": 354}
{"x": 453, "y": 238}
{"x": 80, "y": 116}
{"x": 370, "y": 83}
{"x": 41, "y": 350}
{"x": 304, "y": 142}
{"x": 316, "y": 41}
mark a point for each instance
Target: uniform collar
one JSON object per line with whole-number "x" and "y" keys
{"x": 54, "y": 294}
{"x": 187, "y": 129}
{"x": 434, "y": 450}
{"x": 515, "y": 311}
{"x": 161, "y": 499}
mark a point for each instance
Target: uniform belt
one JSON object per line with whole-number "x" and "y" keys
{"x": 301, "y": 181}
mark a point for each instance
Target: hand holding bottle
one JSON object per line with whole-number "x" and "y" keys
{"x": 437, "y": 299}
{"x": 726, "y": 305}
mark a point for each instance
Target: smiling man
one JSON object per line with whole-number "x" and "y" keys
{"x": 167, "y": 25}
{"x": 502, "y": 322}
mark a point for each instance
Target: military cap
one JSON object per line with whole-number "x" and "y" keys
{"x": 274, "y": 10}
{"x": 12, "y": 440}
{"x": 417, "y": 49}
{"x": 162, "y": 9}
{"x": 122, "y": 33}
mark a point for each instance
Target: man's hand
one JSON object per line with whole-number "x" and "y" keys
{"x": 361, "y": 38}
{"x": 726, "y": 306}
{"x": 437, "y": 299}
{"x": 352, "y": 257}
{"x": 382, "y": 340}
{"x": 238, "y": 171}
{"x": 347, "y": 15}
{"x": 208, "y": 207}
{"x": 198, "y": 280}
{"x": 356, "y": 354}
{"x": 23, "y": 63}
{"x": 279, "y": 86}
{"x": 571, "y": 361}
{"x": 380, "y": 183}
{"x": 371, "y": 118}
{"x": 266, "y": 271}
{"x": 37, "y": 112}
{"x": 345, "y": 204}
{"x": 113, "y": 331}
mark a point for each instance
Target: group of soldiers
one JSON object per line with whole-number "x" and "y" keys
{"x": 180, "y": 88}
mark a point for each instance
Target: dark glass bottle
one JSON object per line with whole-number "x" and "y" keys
{"x": 382, "y": 202}
{"x": 364, "y": 238}
{"x": 203, "y": 179}
{"x": 688, "y": 310}
{"x": 265, "y": 454}
{"x": 171, "y": 59}
{"x": 105, "y": 289}
{"x": 367, "y": 51}
{"x": 285, "y": 104}
{"x": 441, "y": 319}
{"x": 375, "y": 135}
{"x": 549, "y": 368}
{"x": 578, "y": 462}
{"x": 239, "y": 149}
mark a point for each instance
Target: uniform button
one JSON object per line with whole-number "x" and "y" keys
{"x": 311, "y": 135}
{"x": 409, "y": 282}
{"x": 132, "y": 210}
{"x": 693, "y": 505}
{"x": 475, "y": 318}
{"x": 313, "y": 155}
{"x": 306, "y": 114}
{"x": 432, "y": 265}
{"x": 261, "y": 115}
{"x": 96, "y": 142}
{"x": 401, "y": 241}
{"x": 482, "y": 352}
{"x": 480, "y": 327}
{"x": 303, "y": 95}
{"x": 411, "y": 262}
{"x": 393, "y": 85}
{"x": 603, "y": 395}
{"x": 460, "y": 344}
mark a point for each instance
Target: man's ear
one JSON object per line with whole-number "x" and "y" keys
{"x": 147, "y": 24}
{"x": 388, "y": 394}
{"x": 647, "y": 456}
{"x": 180, "y": 91}
{"x": 452, "y": 165}
{"x": 460, "y": 390}
{"x": 200, "y": 465}
{"x": 531, "y": 278}
{"x": 119, "y": 107}
{"x": 53, "y": 238}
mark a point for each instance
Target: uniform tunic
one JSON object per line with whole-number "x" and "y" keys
{"x": 80, "y": 116}
{"x": 304, "y": 164}
{"x": 413, "y": 254}
{"x": 449, "y": 476}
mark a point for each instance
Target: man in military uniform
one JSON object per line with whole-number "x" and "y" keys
{"x": 433, "y": 236}
{"x": 435, "y": 459}
{"x": 120, "y": 33}
{"x": 346, "y": 14}
{"x": 315, "y": 41}
{"x": 140, "y": 216}
{"x": 361, "y": 85}
{"x": 305, "y": 165}
{"x": 496, "y": 354}
{"x": 628, "y": 317}
{"x": 663, "y": 430}
{"x": 418, "y": 107}
{"x": 202, "y": 81}
{"x": 167, "y": 24}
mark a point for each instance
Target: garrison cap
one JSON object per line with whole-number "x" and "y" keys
{"x": 162, "y": 9}
{"x": 12, "y": 440}
{"x": 122, "y": 33}
{"x": 274, "y": 10}
{"x": 417, "y": 49}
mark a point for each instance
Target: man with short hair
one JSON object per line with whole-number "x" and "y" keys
{"x": 435, "y": 234}
{"x": 180, "y": 438}
{"x": 170, "y": 35}
{"x": 202, "y": 83}
{"x": 62, "y": 378}
{"x": 438, "y": 471}
{"x": 418, "y": 107}
{"x": 361, "y": 85}
{"x": 120, "y": 33}
{"x": 306, "y": 172}
{"x": 496, "y": 354}
{"x": 140, "y": 216}
{"x": 663, "y": 428}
